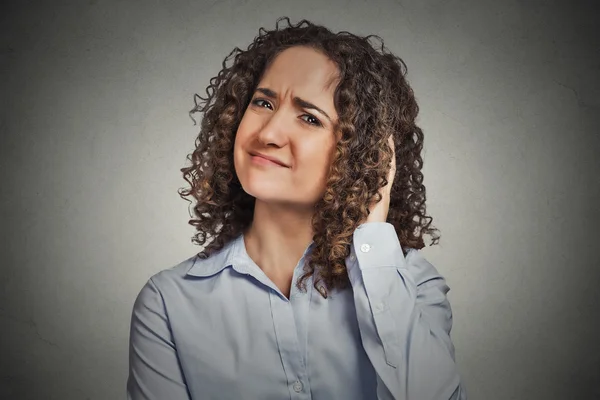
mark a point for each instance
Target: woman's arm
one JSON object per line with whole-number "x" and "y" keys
{"x": 404, "y": 318}
{"x": 154, "y": 369}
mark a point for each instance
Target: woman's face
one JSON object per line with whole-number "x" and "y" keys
{"x": 280, "y": 122}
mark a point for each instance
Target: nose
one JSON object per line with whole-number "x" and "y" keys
{"x": 275, "y": 128}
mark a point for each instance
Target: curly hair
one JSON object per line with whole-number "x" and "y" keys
{"x": 373, "y": 100}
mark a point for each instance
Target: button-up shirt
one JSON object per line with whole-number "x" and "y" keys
{"x": 219, "y": 328}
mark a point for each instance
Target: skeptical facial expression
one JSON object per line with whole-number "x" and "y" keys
{"x": 290, "y": 119}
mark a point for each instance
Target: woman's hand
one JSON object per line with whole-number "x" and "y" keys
{"x": 379, "y": 211}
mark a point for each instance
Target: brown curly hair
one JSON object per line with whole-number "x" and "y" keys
{"x": 372, "y": 99}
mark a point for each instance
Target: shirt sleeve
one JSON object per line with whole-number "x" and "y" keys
{"x": 404, "y": 317}
{"x": 154, "y": 369}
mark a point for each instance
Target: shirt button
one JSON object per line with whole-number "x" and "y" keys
{"x": 352, "y": 257}
{"x": 297, "y": 386}
{"x": 365, "y": 248}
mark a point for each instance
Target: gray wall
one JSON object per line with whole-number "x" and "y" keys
{"x": 94, "y": 128}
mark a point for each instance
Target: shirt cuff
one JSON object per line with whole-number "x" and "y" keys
{"x": 376, "y": 244}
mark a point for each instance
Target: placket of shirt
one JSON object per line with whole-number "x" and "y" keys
{"x": 288, "y": 340}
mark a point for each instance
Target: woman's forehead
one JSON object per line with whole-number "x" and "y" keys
{"x": 301, "y": 68}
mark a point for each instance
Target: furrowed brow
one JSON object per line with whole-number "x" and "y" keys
{"x": 297, "y": 101}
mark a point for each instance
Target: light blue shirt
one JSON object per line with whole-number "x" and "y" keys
{"x": 219, "y": 328}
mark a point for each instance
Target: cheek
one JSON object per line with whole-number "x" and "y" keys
{"x": 238, "y": 155}
{"x": 317, "y": 159}
{"x": 241, "y": 137}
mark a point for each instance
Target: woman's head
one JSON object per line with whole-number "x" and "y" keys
{"x": 280, "y": 122}
{"x": 334, "y": 166}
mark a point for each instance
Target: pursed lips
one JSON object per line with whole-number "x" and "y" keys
{"x": 272, "y": 159}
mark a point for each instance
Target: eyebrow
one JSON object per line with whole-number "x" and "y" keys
{"x": 297, "y": 101}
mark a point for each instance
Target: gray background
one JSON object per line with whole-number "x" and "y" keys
{"x": 94, "y": 129}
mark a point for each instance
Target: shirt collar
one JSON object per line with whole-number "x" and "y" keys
{"x": 233, "y": 254}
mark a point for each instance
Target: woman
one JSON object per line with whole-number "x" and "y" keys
{"x": 312, "y": 286}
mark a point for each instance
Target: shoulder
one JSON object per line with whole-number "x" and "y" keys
{"x": 174, "y": 273}
{"x": 188, "y": 277}
{"x": 163, "y": 282}
{"x": 198, "y": 267}
{"x": 422, "y": 271}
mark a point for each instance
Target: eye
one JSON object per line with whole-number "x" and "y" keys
{"x": 256, "y": 102}
{"x": 316, "y": 121}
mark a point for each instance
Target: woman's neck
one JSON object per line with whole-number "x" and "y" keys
{"x": 278, "y": 237}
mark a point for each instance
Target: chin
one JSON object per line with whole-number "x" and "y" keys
{"x": 261, "y": 189}
{"x": 269, "y": 196}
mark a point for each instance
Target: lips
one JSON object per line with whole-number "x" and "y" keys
{"x": 270, "y": 158}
